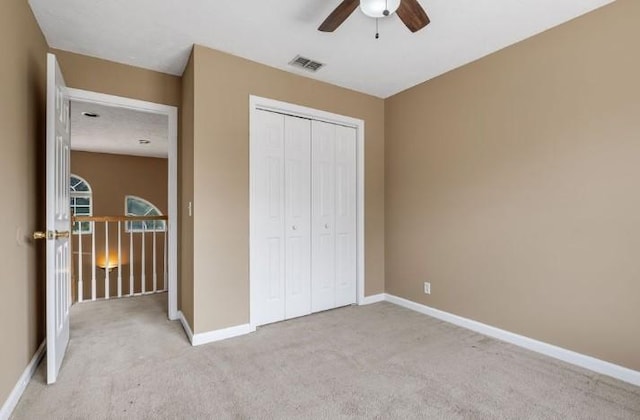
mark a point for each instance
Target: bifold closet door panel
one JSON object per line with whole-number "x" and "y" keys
{"x": 323, "y": 240}
{"x": 268, "y": 259}
{"x": 346, "y": 214}
{"x": 297, "y": 135}
{"x": 303, "y": 251}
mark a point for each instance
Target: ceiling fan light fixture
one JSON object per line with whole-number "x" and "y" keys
{"x": 377, "y": 8}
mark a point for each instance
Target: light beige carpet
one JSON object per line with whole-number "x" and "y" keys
{"x": 125, "y": 360}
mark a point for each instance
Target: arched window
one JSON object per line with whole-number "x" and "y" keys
{"x": 136, "y": 206}
{"x": 81, "y": 202}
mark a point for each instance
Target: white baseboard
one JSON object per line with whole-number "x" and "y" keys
{"x": 212, "y": 336}
{"x": 11, "y": 402}
{"x": 578, "y": 359}
{"x": 223, "y": 334}
{"x": 368, "y": 300}
{"x": 185, "y": 326}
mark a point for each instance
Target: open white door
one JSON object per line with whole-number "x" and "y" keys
{"x": 58, "y": 219}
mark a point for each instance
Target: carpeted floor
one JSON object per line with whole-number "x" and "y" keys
{"x": 125, "y": 360}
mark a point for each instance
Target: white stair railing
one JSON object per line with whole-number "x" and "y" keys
{"x": 131, "y": 233}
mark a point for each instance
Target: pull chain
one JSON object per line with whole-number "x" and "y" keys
{"x": 384, "y": 13}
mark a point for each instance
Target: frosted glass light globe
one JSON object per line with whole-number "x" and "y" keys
{"x": 376, "y": 8}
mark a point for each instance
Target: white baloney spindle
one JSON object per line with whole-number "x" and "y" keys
{"x": 107, "y": 285}
{"x": 155, "y": 271}
{"x": 143, "y": 280}
{"x": 130, "y": 258}
{"x": 93, "y": 260}
{"x": 80, "y": 280}
{"x": 164, "y": 267}
{"x": 119, "y": 259}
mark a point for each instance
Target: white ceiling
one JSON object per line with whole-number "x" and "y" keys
{"x": 158, "y": 34}
{"x": 118, "y": 131}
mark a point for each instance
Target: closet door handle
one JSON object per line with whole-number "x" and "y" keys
{"x": 294, "y": 227}
{"x": 326, "y": 226}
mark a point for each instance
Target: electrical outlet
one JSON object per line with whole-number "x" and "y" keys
{"x": 427, "y": 288}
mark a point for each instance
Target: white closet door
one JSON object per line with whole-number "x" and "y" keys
{"x": 345, "y": 219}
{"x": 297, "y": 135}
{"x": 268, "y": 250}
{"x": 323, "y": 240}
{"x": 303, "y": 251}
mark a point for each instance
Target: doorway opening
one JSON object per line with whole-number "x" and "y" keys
{"x": 123, "y": 197}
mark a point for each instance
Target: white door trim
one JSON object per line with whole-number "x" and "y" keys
{"x": 258, "y": 103}
{"x": 172, "y": 113}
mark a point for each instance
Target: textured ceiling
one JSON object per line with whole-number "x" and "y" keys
{"x": 118, "y": 131}
{"x": 158, "y": 34}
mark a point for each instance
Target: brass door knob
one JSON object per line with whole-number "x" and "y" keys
{"x": 39, "y": 235}
{"x": 51, "y": 235}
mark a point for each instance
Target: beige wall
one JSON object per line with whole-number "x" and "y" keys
{"x": 223, "y": 84}
{"x": 513, "y": 187}
{"x": 186, "y": 195}
{"x": 96, "y": 75}
{"x": 112, "y": 177}
{"x": 22, "y": 117}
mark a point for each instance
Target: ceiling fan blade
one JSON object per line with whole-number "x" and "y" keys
{"x": 339, "y": 15}
{"x": 413, "y": 15}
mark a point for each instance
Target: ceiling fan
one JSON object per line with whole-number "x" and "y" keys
{"x": 409, "y": 11}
